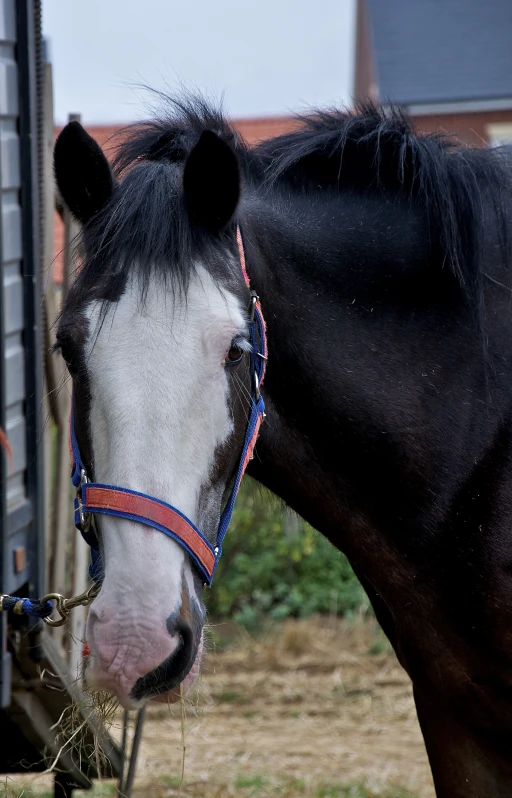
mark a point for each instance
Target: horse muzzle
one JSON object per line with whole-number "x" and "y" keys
{"x": 152, "y": 658}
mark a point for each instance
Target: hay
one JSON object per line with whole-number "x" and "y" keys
{"x": 74, "y": 726}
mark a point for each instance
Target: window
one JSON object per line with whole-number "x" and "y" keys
{"x": 500, "y": 134}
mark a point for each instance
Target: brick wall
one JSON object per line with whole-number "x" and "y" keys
{"x": 469, "y": 127}
{"x": 365, "y": 84}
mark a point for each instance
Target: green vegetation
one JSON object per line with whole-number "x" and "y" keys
{"x": 256, "y": 782}
{"x": 257, "y": 786}
{"x": 276, "y": 566}
{"x": 169, "y": 781}
{"x": 8, "y": 790}
{"x": 245, "y": 786}
{"x": 231, "y": 697}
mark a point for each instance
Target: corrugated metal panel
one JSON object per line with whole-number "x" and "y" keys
{"x": 11, "y": 226}
{"x": 14, "y": 371}
{"x": 10, "y": 154}
{"x": 22, "y": 566}
{"x": 13, "y": 298}
{"x": 11, "y": 255}
{"x": 20, "y": 378}
{"x": 7, "y": 21}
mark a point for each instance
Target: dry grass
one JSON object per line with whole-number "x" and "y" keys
{"x": 305, "y": 710}
{"x": 72, "y": 727}
{"x": 315, "y": 709}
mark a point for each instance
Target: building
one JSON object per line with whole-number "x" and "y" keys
{"x": 447, "y": 62}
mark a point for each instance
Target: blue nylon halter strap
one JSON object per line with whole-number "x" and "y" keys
{"x": 92, "y": 497}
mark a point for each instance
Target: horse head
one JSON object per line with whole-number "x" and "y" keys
{"x": 155, "y": 331}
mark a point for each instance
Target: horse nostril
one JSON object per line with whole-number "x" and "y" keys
{"x": 173, "y": 670}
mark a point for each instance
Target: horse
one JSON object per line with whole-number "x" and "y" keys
{"x": 382, "y": 262}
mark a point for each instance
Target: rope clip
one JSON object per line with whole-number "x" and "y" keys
{"x": 64, "y": 605}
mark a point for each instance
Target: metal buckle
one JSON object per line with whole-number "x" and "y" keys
{"x": 85, "y": 518}
{"x": 252, "y": 305}
{"x": 256, "y": 386}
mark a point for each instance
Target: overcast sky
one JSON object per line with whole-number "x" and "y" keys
{"x": 267, "y": 58}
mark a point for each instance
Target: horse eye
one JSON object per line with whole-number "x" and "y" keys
{"x": 234, "y": 355}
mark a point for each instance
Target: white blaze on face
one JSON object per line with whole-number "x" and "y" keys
{"x": 159, "y": 409}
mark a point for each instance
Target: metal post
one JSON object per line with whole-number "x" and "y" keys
{"x": 127, "y": 788}
{"x": 124, "y": 743}
{"x": 28, "y": 46}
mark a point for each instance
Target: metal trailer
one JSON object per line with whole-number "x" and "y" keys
{"x": 35, "y": 682}
{"x": 22, "y": 548}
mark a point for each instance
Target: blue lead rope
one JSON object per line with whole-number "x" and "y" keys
{"x": 24, "y": 606}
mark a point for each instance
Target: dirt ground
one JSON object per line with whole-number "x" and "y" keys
{"x": 315, "y": 708}
{"x": 304, "y": 711}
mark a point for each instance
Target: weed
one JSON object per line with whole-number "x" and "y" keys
{"x": 232, "y": 697}
{"x": 256, "y": 782}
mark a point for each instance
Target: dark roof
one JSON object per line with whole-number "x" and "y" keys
{"x": 432, "y": 51}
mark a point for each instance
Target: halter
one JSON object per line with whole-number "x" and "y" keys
{"x": 94, "y": 497}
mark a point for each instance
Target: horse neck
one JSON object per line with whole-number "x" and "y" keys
{"x": 380, "y": 396}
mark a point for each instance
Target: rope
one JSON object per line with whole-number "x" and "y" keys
{"x": 44, "y": 607}
{"x": 24, "y": 606}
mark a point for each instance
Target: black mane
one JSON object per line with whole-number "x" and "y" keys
{"x": 461, "y": 190}
{"x": 464, "y": 193}
{"x": 145, "y": 224}
{"x": 171, "y": 136}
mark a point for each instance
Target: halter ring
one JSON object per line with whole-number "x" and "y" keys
{"x": 85, "y": 518}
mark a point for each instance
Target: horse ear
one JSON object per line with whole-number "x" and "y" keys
{"x": 211, "y": 182}
{"x": 82, "y": 172}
